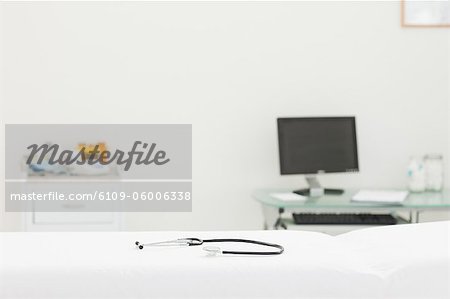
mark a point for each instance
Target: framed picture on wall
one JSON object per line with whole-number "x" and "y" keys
{"x": 425, "y": 13}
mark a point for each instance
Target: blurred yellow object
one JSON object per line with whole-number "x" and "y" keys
{"x": 97, "y": 150}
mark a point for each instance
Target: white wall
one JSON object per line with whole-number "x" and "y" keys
{"x": 231, "y": 69}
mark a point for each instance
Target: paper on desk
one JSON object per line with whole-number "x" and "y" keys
{"x": 288, "y": 196}
{"x": 380, "y": 196}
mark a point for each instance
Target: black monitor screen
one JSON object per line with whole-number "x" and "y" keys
{"x": 314, "y": 145}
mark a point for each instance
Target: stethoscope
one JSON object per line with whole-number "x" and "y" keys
{"x": 215, "y": 250}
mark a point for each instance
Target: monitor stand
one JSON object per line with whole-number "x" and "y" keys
{"x": 316, "y": 190}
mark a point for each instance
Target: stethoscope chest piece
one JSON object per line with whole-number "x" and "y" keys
{"x": 212, "y": 250}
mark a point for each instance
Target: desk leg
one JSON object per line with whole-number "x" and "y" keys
{"x": 272, "y": 217}
{"x": 280, "y": 221}
{"x": 414, "y": 216}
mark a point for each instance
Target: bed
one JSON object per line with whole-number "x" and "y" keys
{"x": 403, "y": 261}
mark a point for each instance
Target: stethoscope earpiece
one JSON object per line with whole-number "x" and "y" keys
{"x": 138, "y": 245}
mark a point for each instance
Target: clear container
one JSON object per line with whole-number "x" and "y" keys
{"x": 416, "y": 175}
{"x": 434, "y": 172}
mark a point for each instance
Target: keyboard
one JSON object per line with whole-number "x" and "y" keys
{"x": 368, "y": 219}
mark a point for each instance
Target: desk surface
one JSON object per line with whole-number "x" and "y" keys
{"x": 424, "y": 200}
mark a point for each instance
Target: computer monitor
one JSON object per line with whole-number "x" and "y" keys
{"x": 314, "y": 145}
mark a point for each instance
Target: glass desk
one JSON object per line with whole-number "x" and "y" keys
{"x": 414, "y": 204}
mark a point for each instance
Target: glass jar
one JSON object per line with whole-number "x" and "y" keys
{"x": 416, "y": 175}
{"x": 434, "y": 172}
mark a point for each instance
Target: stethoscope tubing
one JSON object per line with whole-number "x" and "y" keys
{"x": 280, "y": 251}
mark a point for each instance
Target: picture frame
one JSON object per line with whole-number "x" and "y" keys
{"x": 425, "y": 13}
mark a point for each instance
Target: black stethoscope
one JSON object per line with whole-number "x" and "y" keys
{"x": 215, "y": 250}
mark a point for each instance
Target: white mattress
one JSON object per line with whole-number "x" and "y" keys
{"x": 408, "y": 261}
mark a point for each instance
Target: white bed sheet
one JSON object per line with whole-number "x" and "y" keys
{"x": 400, "y": 261}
